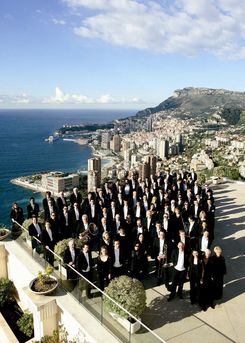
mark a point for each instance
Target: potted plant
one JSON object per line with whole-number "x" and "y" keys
{"x": 131, "y": 295}
{"x": 44, "y": 283}
{"x": 4, "y": 232}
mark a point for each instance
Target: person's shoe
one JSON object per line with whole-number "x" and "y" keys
{"x": 170, "y": 298}
{"x": 180, "y": 296}
{"x": 212, "y": 306}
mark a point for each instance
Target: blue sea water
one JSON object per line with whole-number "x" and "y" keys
{"x": 23, "y": 150}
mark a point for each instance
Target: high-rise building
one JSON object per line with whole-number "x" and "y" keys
{"x": 144, "y": 171}
{"x": 153, "y": 163}
{"x": 127, "y": 158}
{"x": 180, "y": 142}
{"x": 163, "y": 149}
{"x": 125, "y": 145}
{"x": 105, "y": 139}
{"x": 116, "y": 146}
{"x": 149, "y": 124}
{"x": 94, "y": 173}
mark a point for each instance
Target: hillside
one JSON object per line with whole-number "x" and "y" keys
{"x": 203, "y": 102}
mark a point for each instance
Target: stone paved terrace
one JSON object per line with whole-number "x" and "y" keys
{"x": 179, "y": 321}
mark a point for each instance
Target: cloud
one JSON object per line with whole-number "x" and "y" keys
{"x": 16, "y": 99}
{"x": 61, "y": 97}
{"x": 187, "y": 27}
{"x": 58, "y": 21}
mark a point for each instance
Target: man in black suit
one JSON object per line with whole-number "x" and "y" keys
{"x": 66, "y": 223}
{"x": 75, "y": 197}
{"x": 210, "y": 211}
{"x": 193, "y": 232}
{"x": 35, "y": 231}
{"x": 196, "y": 189}
{"x": 32, "y": 208}
{"x": 17, "y": 214}
{"x": 193, "y": 175}
{"x": 48, "y": 241}
{"x": 61, "y": 202}
{"x": 45, "y": 203}
{"x": 50, "y": 208}
{"x": 84, "y": 266}
{"x": 117, "y": 260}
{"x": 71, "y": 259}
{"x": 180, "y": 262}
{"x": 159, "y": 253}
{"x": 92, "y": 212}
{"x": 76, "y": 214}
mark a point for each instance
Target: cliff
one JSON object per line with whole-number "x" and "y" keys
{"x": 201, "y": 102}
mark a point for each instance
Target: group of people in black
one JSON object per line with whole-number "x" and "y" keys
{"x": 168, "y": 218}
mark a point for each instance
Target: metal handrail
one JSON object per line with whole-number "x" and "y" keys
{"x": 94, "y": 286}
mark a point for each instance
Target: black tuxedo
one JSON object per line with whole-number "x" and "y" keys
{"x": 66, "y": 230}
{"x": 32, "y": 211}
{"x": 67, "y": 259}
{"x": 34, "y": 234}
{"x": 61, "y": 204}
{"x": 117, "y": 271}
{"x": 33, "y": 231}
{"x": 76, "y": 198}
{"x": 193, "y": 235}
{"x": 178, "y": 275}
{"x": 47, "y": 242}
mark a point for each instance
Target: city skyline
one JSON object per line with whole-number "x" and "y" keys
{"x": 117, "y": 53}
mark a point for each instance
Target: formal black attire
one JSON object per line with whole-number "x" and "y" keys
{"x": 118, "y": 270}
{"x": 104, "y": 271}
{"x": 137, "y": 264}
{"x": 32, "y": 210}
{"x": 61, "y": 203}
{"x": 206, "y": 289}
{"x": 34, "y": 233}
{"x": 82, "y": 266}
{"x": 71, "y": 274}
{"x": 219, "y": 270}
{"x": 48, "y": 241}
{"x": 178, "y": 275}
{"x": 162, "y": 272}
{"x": 194, "y": 273}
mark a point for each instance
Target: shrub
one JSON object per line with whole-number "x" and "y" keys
{"x": 7, "y": 291}
{"x": 25, "y": 324}
{"x": 127, "y": 292}
{"x": 202, "y": 179}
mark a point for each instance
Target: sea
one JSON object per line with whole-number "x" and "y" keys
{"x": 24, "y": 151}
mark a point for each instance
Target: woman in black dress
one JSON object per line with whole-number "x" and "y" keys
{"x": 104, "y": 267}
{"x": 219, "y": 270}
{"x": 206, "y": 282}
{"x": 195, "y": 273}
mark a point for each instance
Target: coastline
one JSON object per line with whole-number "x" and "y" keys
{"x": 107, "y": 161}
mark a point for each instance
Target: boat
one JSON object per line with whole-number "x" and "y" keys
{"x": 51, "y": 139}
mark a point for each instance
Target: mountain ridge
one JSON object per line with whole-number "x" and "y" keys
{"x": 199, "y": 101}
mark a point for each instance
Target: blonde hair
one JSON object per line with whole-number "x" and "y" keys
{"x": 217, "y": 248}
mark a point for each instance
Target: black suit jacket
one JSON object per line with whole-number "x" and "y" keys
{"x": 174, "y": 258}
{"x": 31, "y": 211}
{"x": 156, "y": 248}
{"x": 46, "y": 241}
{"x": 33, "y": 232}
{"x": 82, "y": 263}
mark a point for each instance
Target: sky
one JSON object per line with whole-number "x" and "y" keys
{"x": 117, "y": 53}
